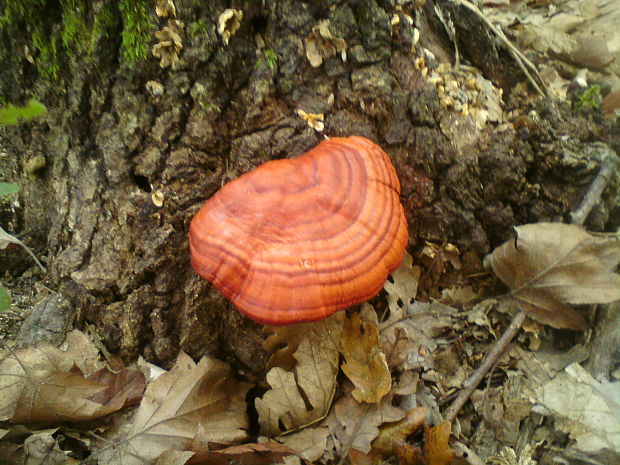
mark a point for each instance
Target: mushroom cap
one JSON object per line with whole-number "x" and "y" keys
{"x": 299, "y": 239}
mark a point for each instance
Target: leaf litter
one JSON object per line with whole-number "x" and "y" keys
{"x": 45, "y": 385}
{"x": 401, "y": 367}
{"x": 187, "y": 408}
{"x": 300, "y": 397}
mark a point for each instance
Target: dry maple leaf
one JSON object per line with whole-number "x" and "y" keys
{"x": 314, "y": 376}
{"x": 551, "y": 265}
{"x": 365, "y": 363}
{"x": 186, "y": 408}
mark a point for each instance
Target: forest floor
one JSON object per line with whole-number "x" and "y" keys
{"x": 379, "y": 384}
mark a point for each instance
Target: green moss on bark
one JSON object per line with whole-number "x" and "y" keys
{"x": 47, "y": 51}
{"x": 15, "y": 11}
{"x": 137, "y": 29}
{"x": 74, "y": 30}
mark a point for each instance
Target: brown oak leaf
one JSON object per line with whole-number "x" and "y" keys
{"x": 549, "y": 266}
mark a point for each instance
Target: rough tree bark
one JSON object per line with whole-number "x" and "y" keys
{"x": 112, "y": 140}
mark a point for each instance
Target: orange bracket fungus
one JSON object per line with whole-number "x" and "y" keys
{"x": 297, "y": 240}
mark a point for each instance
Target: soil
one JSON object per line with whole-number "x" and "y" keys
{"x": 111, "y": 145}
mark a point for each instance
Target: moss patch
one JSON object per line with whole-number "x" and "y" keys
{"x": 16, "y": 11}
{"x": 137, "y": 29}
{"x": 198, "y": 27}
{"x": 591, "y": 99}
{"x": 47, "y": 48}
{"x": 74, "y": 30}
{"x": 269, "y": 58}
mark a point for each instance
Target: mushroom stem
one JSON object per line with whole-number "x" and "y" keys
{"x": 490, "y": 359}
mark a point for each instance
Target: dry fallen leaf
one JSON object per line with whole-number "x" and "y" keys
{"x": 310, "y": 443}
{"x": 551, "y": 265}
{"x": 246, "y": 454}
{"x": 20, "y": 446}
{"x": 437, "y": 260}
{"x": 410, "y": 336}
{"x": 402, "y": 285}
{"x": 314, "y": 375}
{"x": 43, "y": 449}
{"x": 123, "y": 387}
{"x": 458, "y": 296}
{"x": 437, "y": 451}
{"x": 356, "y": 425}
{"x": 282, "y": 342}
{"x": 186, "y": 408}
{"x": 504, "y": 407}
{"x": 357, "y": 457}
{"x": 174, "y": 457}
{"x": 44, "y": 384}
{"x": 394, "y": 434}
{"x": 365, "y": 363}
{"x": 583, "y": 407}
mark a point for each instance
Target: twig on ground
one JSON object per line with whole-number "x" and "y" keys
{"x": 491, "y": 358}
{"x": 593, "y": 196}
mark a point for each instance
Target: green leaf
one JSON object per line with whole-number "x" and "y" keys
{"x": 5, "y": 299}
{"x": 10, "y": 114}
{"x": 7, "y": 188}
